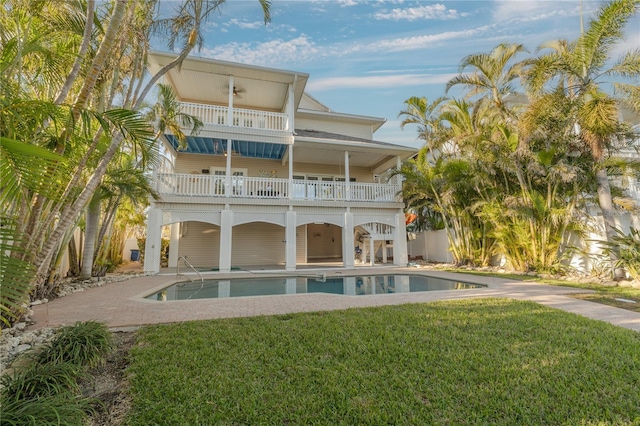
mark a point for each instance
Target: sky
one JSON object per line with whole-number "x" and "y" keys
{"x": 367, "y": 57}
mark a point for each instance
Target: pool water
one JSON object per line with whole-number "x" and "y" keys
{"x": 352, "y": 286}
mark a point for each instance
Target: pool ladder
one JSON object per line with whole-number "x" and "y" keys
{"x": 187, "y": 263}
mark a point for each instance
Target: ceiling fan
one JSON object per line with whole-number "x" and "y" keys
{"x": 237, "y": 91}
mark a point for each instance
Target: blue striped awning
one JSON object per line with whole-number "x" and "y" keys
{"x": 214, "y": 146}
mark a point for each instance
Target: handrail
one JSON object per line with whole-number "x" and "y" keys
{"x": 186, "y": 262}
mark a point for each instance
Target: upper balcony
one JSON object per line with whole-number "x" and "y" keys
{"x": 211, "y": 188}
{"x": 241, "y": 123}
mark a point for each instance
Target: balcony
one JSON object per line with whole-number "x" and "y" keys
{"x": 242, "y": 187}
{"x": 242, "y": 123}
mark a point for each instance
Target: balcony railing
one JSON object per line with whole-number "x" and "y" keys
{"x": 246, "y": 118}
{"x": 195, "y": 185}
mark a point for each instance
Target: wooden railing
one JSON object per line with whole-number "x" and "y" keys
{"x": 246, "y": 118}
{"x": 202, "y": 185}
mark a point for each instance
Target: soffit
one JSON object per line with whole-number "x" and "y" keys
{"x": 207, "y": 81}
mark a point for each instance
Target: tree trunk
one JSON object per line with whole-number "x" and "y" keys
{"x": 74, "y": 264}
{"x": 84, "y": 46}
{"x": 608, "y": 213}
{"x": 91, "y": 233}
{"x": 105, "y": 49}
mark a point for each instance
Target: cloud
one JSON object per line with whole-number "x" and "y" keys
{"x": 271, "y": 52}
{"x": 347, "y": 3}
{"x": 435, "y": 11}
{"x": 302, "y": 49}
{"x": 529, "y": 11}
{"x": 377, "y": 81}
{"x": 421, "y": 42}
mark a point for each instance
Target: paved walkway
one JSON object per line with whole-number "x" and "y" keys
{"x": 122, "y": 304}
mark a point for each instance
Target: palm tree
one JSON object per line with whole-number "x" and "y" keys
{"x": 492, "y": 77}
{"x": 165, "y": 115}
{"x": 426, "y": 116}
{"x": 579, "y": 70}
{"x": 42, "y": 44}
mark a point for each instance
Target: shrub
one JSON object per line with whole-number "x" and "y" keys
{"x": 629, "y": 251}
{"x": 60, "y": 409}
{"x": 45, "y": 391}
{"x": 39, "y": 380}
{"x": 82, "y": 344}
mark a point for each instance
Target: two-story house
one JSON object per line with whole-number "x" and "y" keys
{"x": 274, "y": 178}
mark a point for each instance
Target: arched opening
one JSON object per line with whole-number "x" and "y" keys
{"x": 257, "y": 244}
{"x": 199, "y": 241}
{"x": 324, "y": 243}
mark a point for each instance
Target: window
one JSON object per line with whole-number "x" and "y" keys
{"x": 237, "y": 180}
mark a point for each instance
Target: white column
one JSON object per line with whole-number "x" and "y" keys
{"x": 372, "y": 252}
{"x": 290, "y": 238}
{"x": 174, "y": 244}
{"x": 227, "y": 177}
{"x": 152, "y": 245}
{"x": 290, "y": 172}
{"x": 383, "y": 248}
{"x": 291, "y": 107}
{"x": 226, "y": 231}
{"x": 227, "y": 182}
{"x": 230, "y": 111}
{"x": 347, "y": 177}
{"x": 400, "y": 256}
{"x": 348, "y": 241}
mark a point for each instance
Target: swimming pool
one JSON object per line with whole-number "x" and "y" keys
{"x": 352, "y": 286}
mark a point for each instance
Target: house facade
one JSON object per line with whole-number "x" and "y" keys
{"x": 274, "y": 177}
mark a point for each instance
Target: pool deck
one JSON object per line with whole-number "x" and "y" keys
{"x": 121, "y": 305}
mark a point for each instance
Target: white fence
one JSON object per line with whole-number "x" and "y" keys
{"x": 247, "y": 118}
{"x": 202, "y": 185}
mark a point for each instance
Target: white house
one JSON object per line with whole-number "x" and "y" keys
{"x": 274, "y": 177}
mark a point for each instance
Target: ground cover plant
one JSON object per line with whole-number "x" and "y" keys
{"x": 485, "y": 361}
{"x": 43, "y": 388}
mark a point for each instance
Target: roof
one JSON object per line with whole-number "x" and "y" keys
{"x": 203, "y": 80}
{"x": 318, "y": 134}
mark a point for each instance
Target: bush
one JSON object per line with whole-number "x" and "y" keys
{"x": 45, "y": 390}
{"x": 629, "y": 251}
{"x": 40, "y": 380}
{"x": 60, "y": 409}
{"x": 83, "y": 344}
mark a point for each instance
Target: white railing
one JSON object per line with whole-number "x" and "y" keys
{"x": 203, "y": 185}
{"x": 246, "y": 118}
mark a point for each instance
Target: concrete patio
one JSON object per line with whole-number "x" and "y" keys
{"x": 122, "y": 304}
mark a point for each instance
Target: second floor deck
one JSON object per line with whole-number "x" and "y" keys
{"x": 218, "y": 186}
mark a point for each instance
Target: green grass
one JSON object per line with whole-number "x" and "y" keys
{"x": 604, "y": 294}
{"x": 489, "y": 361}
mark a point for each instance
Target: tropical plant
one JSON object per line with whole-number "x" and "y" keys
{"x": 73, "y": 80}
{"x": 628, "y": 247}
{"x": 82, "y": 344}
{"x": 581, "y": 70}
{"x": 40, "y": 380}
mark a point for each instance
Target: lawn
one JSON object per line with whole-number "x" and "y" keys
{"x": 604, "y": 294}
{"x": 485, "y": 361}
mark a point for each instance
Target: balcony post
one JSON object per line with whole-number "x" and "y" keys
{"x": 290, "y": 189}
{"x": 230, "y": 111}
{"x": 227, "y": 177}
{"x": 347, "y": 177}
